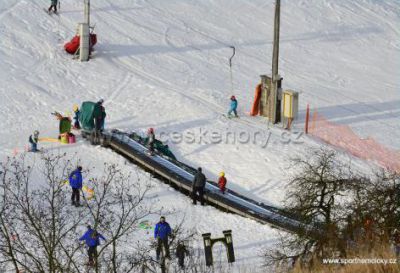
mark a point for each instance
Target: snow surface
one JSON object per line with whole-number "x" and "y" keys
{"x": 164, "y": 64}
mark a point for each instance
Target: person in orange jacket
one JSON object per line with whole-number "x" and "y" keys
{"x": 222, "y": 182}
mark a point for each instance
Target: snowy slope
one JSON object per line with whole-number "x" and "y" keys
{"x": 164, "y": 64}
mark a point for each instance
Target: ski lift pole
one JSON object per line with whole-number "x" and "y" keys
{"x": 59, "y": 5}
{"x": 230, "y": 66}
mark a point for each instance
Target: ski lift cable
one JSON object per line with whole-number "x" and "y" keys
{"x": 230, "y": 66}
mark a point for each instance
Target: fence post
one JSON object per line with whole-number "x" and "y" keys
{"x": 307, "y": 118}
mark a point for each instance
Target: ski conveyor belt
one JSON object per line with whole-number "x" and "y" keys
{"x": 181, "y": 176}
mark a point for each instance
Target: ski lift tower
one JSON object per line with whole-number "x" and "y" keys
{"x": 271, "y": 92}
{"x": 84, "y": 34}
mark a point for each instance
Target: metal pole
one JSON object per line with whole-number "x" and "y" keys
{"x": 87, "y": 12}
{"x": 275, "y": 56}
{"x": 274, "y": 103}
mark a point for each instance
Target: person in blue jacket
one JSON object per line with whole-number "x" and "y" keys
{"x": 92, "y": 240}
{"x": 75, "y": 181}
{"x": 233, "y": 107}
{"x": 161, "y": 233}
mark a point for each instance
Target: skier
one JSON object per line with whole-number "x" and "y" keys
{"x": 222, "y": 182}
{"x": 92, "y": 240}
{"x": 161, "y": 233}
{"x": 77, "y": 126}
{"x": 233, "y": 107}
{"x": 101, "y": 119}
{"x": 199, "y": 182}
{"x": 75, "y": 181}
{"x": 151, "y": 140}
{"x": 181, "y": 252}
{"x": 53, "y": 6}
{"x": 33, "y": 140}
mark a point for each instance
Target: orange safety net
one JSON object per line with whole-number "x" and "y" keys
{"x": 343, "y": 136}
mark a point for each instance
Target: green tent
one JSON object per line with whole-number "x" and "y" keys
{"x": 88, "y": 113}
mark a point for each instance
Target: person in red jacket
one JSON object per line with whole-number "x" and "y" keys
{"x": 222, "y": 182}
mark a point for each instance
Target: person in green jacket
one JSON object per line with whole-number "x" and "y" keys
{"x": 53, "y": 6}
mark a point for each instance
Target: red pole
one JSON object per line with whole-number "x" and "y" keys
{"x": 307, "y": 118}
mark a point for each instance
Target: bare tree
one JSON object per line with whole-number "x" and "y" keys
{"x": 39, "y": 229}
{"x": 377, "y": 200}
{"x": 37, "y": 224}
{"x": 344, "y": 208}
{"x": 315, "y": 195}
{"x": 120, "y": 202}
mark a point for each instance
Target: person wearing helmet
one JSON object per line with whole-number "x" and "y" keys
{"x": 222, "y": 182}
{"x": 77, "y": 126}
{"x": 33, "y": 140}
{"x": 151, "y": 139}
{"x": 233, "y": 107}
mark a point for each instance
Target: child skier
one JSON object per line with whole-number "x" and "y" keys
{"x": 53, "y": 6}
{"x": 33, "y": 140}
{"x": 77, "y": 126}
{"x": 222, "y": 182}
{"x": 233, "y": 107}
{"x": 151, "y": 139}
{"x": 181, "y": 252}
